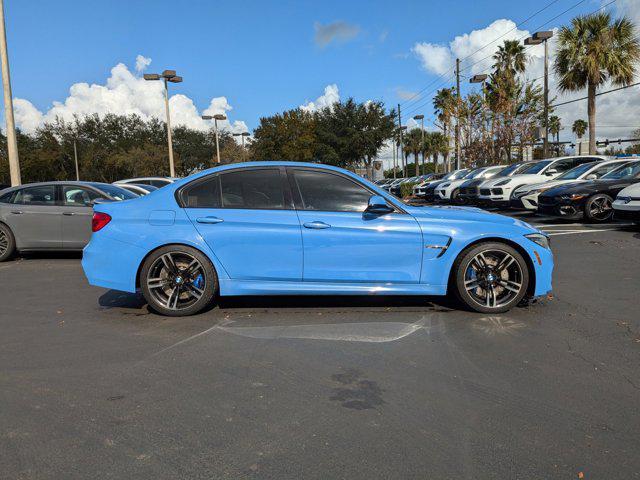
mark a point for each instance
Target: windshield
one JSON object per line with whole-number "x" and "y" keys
{"x": 536, "y": 167}
{"x": 511, "y": 168}
{"x": 576, "y": 172}
{"x": 114, "y": 192}
{"x": 457, "y": 175}
{"x": 627, "y": 170}
{"x": 476, "y": 173}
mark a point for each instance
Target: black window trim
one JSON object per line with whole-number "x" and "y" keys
{"x": 297, "y": 200}
{"x": 286, "y": 189}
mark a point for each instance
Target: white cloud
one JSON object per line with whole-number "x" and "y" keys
{"x": 434, "y": 58}
{"x": 125, "y": 93}
{"x": 330, "y": 96}
{"x": 142, "y": 63}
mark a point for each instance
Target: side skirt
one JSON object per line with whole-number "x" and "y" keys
{"x": 257, "y": 287}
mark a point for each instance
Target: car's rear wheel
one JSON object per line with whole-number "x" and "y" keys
{"x": 598, "y": 208}
{"x": 490, "y": 277}
{"x": 7, "y": 243}
{"x": 177, "y": 280}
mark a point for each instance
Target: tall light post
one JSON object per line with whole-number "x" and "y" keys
{"x": 536, "y": 39}
{"x": 482, "y": 78}
{"x": 243, "y": 135}
{"x": 424, "y": 164}
{"x": 167, "y": 76}
{"x": 12, "y": 143}
{"x": 215, "y": 118}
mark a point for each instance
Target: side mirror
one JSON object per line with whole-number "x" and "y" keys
{"x": 96, "y": 201}
{"x": 378, "y": 206}
{"x": 591, "y": 176}
{"x": 551, "y": 171}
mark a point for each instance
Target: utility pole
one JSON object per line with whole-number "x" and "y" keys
{"x": 395, "y": 154}
{"x": 536, "y": 39}
{"x": 75, "y": 157}
{"x": 404, "y": 166}
{"x": 12, "y": 143}
{"x": 458, "y": 149}
{"x": 424, "y": 163}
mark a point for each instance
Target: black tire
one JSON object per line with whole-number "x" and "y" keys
{"x": 598, "y": 208}
{"x": 177, "y": 281}
{"x": 7, "y": 243}
{"x": 455, "y": 197}
{"x": 500, "y": 295}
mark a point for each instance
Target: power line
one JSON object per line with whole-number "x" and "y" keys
{"x": 597, "y": 95}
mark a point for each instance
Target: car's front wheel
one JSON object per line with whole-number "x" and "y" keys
{"x": 7, "y": 243}
{"x": 598, "y": 208}
{"x": 490, "y": 277}
{"x": 177, "y": 280}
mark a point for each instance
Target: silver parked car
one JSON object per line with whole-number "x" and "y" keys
{"x": 51, "y": 215}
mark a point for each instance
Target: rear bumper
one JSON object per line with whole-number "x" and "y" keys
{"x": 110, "y": 263}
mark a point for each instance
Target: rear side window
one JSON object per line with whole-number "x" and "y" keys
{"x": 37, "y": 195}
{"x": 204, "y": 194}
{"x": 253, "y": 189}
{"x": 330, "y": 193}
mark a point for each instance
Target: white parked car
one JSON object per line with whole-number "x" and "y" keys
{"x": 627, "y": 204}
{"x": 526, "y": 196}
{"x": 497, "y": 192}
{"x": 450, "y": 190}
{"x": 154, "y": 181}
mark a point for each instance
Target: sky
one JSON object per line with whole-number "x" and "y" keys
{"x": 256, "y": 58}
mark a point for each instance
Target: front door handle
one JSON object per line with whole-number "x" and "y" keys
{"x": 209, "y": 220}
{"x": 17, "y": 212}
{"x": 69, "y": 214}
{"x": 316, "y": 225}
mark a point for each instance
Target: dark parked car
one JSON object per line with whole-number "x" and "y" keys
{"x": 470, "y": 189}
{"x": 591, "y": 200}
{"x": 51, "y": 215}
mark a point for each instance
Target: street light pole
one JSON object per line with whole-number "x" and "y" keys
{"x": 215, "y": 118}
{"x": 167, "y": 76}
{"x": 12, "y": 143}
{"x": 75, "y": 158}
{"x": 481, "y": 78}
{"x": 424, "y": 163}
{"x": 536, "y": 39}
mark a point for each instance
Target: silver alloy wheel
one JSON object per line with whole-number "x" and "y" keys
{"x": 493, "y": 278}
{"x": 4, "y": 242}
{"x": 600, "y": 208}
{"x": 176, "y": 280}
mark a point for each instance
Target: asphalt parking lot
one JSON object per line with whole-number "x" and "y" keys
{"x": 92, "y": 385}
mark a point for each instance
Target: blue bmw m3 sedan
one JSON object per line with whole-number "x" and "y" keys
{"x": 287, "y": 228}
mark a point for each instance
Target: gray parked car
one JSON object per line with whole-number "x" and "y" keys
{"x": 51, "y": 215}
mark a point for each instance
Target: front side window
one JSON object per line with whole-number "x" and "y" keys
{"x": 604, "y": 169}
{"x": 252, "y": 189}
{"x": 626, "y": 170}
{"x": 73, "y": 196}
{"x": 329, "y": 192}
{"x": 37, "y": 195}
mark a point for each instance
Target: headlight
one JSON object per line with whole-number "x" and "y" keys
{"x": 503, "y": 182}
{"x": 573, "y": 196}
{"x": 540, "y": 239}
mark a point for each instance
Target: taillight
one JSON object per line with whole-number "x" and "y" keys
{"x": 99, "y": 221}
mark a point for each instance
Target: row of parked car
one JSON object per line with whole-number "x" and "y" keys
{"x": 595, "y": 188}
{"x": 58, "y": 215}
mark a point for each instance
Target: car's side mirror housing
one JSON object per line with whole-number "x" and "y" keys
{"x": 551, "y": 171}
{"x": 378, "y": 206}
{"x": 591, "y": 176}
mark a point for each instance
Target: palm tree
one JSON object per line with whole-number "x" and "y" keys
{"x": 438, "y": 145}
{"x": 592, "y": 51}
{"x": 554, "y": 129}
{"x": 413, "y": 145}
{"x": 510, "y": 57}
{"x": 444, "y": 103}
{"x": 579, "y": 128}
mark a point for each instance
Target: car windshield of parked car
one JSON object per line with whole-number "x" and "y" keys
{"x": 576, "y": 171}
{"x": 536, "y": 167}
{"x": 627, "y": 170}
{"x": 475, "y": 173}
{"x": 114, "y": 192}
{"x": 510, "y": 169}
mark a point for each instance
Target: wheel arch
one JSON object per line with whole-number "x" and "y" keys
{"x": 531, "y": 287}
{"x": 172, "y": 244}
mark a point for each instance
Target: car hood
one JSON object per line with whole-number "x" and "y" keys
{"x": 467, "y": 214}
{"x": 516, "y": 180}
{"x": 590, "y": 187}
{"x": 552, "y": 184}
{"x": 631, "y": 191}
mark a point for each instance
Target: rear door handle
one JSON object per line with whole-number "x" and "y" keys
{"x": 17, "y": 212}
{"x": 316, "y": 225}
{"x": 209, "y": 220}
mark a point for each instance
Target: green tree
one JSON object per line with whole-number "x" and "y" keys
{"x": 444, "y": 103}
{"x": 579, "y": 128}
{"x": 555, "y": 126}
{"x": 290, "y": 135}
{"x": 592, "y": 51}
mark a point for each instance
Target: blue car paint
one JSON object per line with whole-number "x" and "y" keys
{"x": 268, "y": 252}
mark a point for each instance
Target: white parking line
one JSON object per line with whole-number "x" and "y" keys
{"x": 574, "y": 232}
